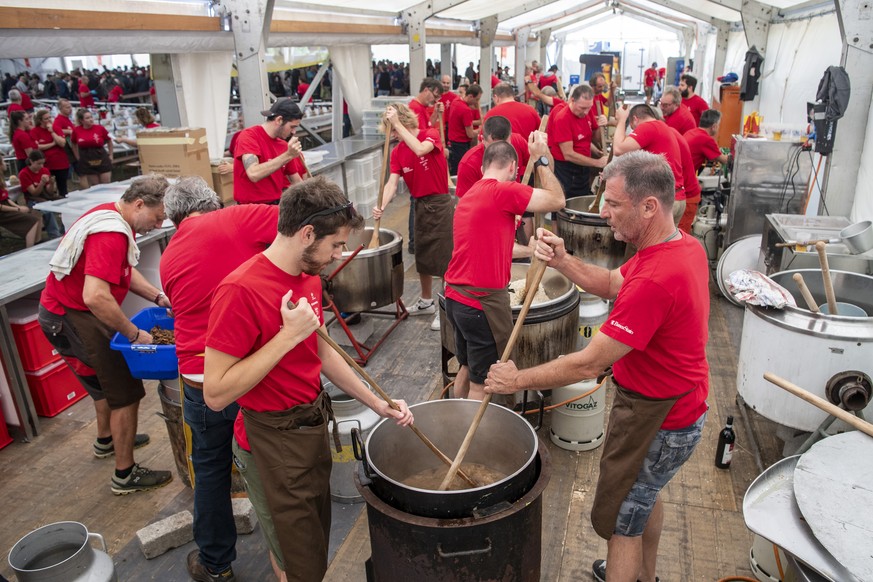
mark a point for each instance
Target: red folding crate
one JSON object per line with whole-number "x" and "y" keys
{"x": 34, "y": 349}
{"x": 54, "y": 388}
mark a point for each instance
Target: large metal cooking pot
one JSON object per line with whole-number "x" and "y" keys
{"x": 804, "y": 347}
{"x": 550, "y": 329}
{"x": 587, "y": 235}
{"x": 504, "y": 442}
{"x": 374, "y": 278}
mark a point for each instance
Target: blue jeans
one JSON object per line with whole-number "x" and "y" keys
{"x": 211, "y": 456}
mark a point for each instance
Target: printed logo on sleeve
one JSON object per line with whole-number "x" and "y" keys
{"x": 624, "y": 328}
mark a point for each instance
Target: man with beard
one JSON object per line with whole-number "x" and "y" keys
{"x": 694, "y": 102}
{"x": 267, "y": 156}
{"x": 263, "y": 353}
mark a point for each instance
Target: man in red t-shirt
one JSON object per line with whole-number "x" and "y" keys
{"x": 652, "y": 135}
{"x": 692, "y": 186}
{"x": 495, "y": 128}
{"x": 650, "y": 79}
{"x": 224, "y": 240}
{"x": 549, "y": 79}
{"x": 80, "y": 310}
{"x": 427, "y": 105}
{"x": 488, "y": 213}
{"x": 655, "y": 340}
{"x": 115, "y": 94}
{"x": 571, "y": 128}
{"x": 690, "y": 99}
{"x": 85, "y": 98}
{"x": 15, "y": 97}
{"x": 701, "y": 140}
{"x": 262, "y": 159}
{"x": 447, "y": 98}
{"x": 462, "y": 126}
{"x": 262, "y": 352}
{"x": 676, "y": 115}
{"x": 419, "y": 160}
{"x": 523, "y": 117}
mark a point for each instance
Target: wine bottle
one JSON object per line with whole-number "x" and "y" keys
{"x": 724, "y": 452}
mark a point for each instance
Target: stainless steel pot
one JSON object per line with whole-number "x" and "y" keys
{"x": 61, "y": 552}
{"x": 550, "y": 329}
{"x": 504, "y": 442}
{"x": 374, "y": 278}
{"x": 587, "y": 235}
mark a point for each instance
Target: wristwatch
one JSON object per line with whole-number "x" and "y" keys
{"x": 541, "y": 161}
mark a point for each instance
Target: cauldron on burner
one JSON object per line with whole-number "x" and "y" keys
{"x": 373, "y": 278}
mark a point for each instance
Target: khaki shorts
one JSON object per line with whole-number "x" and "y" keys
{"x": 245, "y": 464}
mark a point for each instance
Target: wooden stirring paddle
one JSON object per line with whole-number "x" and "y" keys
{"x": 374, "y": 242}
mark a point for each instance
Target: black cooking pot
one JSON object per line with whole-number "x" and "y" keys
{"x": 504, "y": 442}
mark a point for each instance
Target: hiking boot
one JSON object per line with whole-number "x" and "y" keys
{"x": 104, "y": 451}
{"x": 201, "y": 573}
{"x": 435, "y": 324}
{"x": 140, "y": 479}
{"x": 422, "y": 307}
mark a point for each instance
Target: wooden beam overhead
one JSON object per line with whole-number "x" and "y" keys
{"x": 48, "y": 19}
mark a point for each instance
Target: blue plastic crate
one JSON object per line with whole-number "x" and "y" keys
{"x": 149, "y": 362}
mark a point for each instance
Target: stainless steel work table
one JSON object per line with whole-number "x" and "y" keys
{"x": 22, "y": 274}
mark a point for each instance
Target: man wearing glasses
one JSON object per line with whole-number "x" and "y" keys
{"x": 426, "y": 105}
{"x": 267, "y": 156}
{"x": 263, "y": 353}
{"x": 676, "y": 115}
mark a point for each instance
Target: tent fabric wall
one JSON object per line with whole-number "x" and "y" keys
{"x": 797, "y": 55}
{"x": 353, "y": 67}
{"x": 862, "y": 208}
{"x": 206, "y": 81}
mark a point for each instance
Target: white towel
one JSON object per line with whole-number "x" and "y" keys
{"x": 73, "y": 243}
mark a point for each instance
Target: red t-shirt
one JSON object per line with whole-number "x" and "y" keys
{"x": 22, "y": 140}
{"x": 255, "y": 140}
{"x": 461, "y": 116}
{"x": 26, "y": 103}
{"x": 689, "y": 175}
{"x": 564, "y": 126}
{"x": 495, "y": 80}
{"x": 602, "y": 100}
{"x": 703, "y": 147}
{"x": 153, "y": 125}
{"x": 649, "y": 77}
{"x": 424, "y": 175}
{"x": 486, "y": 213}
{"x": 548, "y": 81}
{"x": 61, "y": 123}
{"x": 447, "y": 99}
{"x": 295, "y": 166}
{"x": 28, "y": 178}
{"x": 204, "y": 250}
{"x": 696, "y": 105}
{"x": 521, "y": 116}
{"x": 662, "y": 312}
{"x": 231, "y": 147}
{"x": 655, "y": 137}
{"x": 115, "y": 94}
{"x": 681, "y": 120}
{"x": 85, "y": 97}
{"x": 105, "y": 257}
{"x": 55, "y": 156}
{"x": 470, "y": 166}
{"x": 302, "y": 88}
{"x": 14, "y": 107}
{"x": 245, "y": 315}
{"x": 423, "y": 113}
{"x": 93, "y": 137}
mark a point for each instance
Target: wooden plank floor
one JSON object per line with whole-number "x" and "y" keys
{"x": 56, "y": 478}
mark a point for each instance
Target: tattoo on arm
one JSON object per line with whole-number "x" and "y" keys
{"x": 249, "y": 160}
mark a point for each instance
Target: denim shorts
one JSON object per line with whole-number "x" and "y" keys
{"x": 668, "y": 452}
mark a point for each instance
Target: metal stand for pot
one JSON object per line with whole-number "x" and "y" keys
{"x": 363, "y": 350}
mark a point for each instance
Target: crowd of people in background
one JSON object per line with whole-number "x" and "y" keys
{"x": 392, "y": 79}
{"x": 121, "y": 84}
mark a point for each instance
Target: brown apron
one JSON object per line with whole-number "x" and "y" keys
{"x": 498, "y": 313}
{"x": 433, "y": 234}
{"x": 633, "y": 423}
{"x": 292, "y": 453}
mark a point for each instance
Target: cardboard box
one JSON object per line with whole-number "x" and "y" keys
{"x": 174, "y": 152}
{"x": 222, "y": 183}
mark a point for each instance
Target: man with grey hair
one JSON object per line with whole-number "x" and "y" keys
{"x": 676, "y": 114}
{"x": 655, "y": 340}
{"x": 14, "y": 102}
{"x": 209, "y": 244}
{"x": 92, "y": 272}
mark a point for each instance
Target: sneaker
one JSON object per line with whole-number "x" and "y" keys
{"x": 422, "y": 307}
{"x": 140, "y": 479}
{"x": 201, "y": 573}
{"x": 104, "y": 451}
{"x": 435, "y": 324}
{"x": 599, "y": 570}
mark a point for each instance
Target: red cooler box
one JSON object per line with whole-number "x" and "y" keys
{"x": 54, "y": 388}
{"x": 34, "y": 349}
